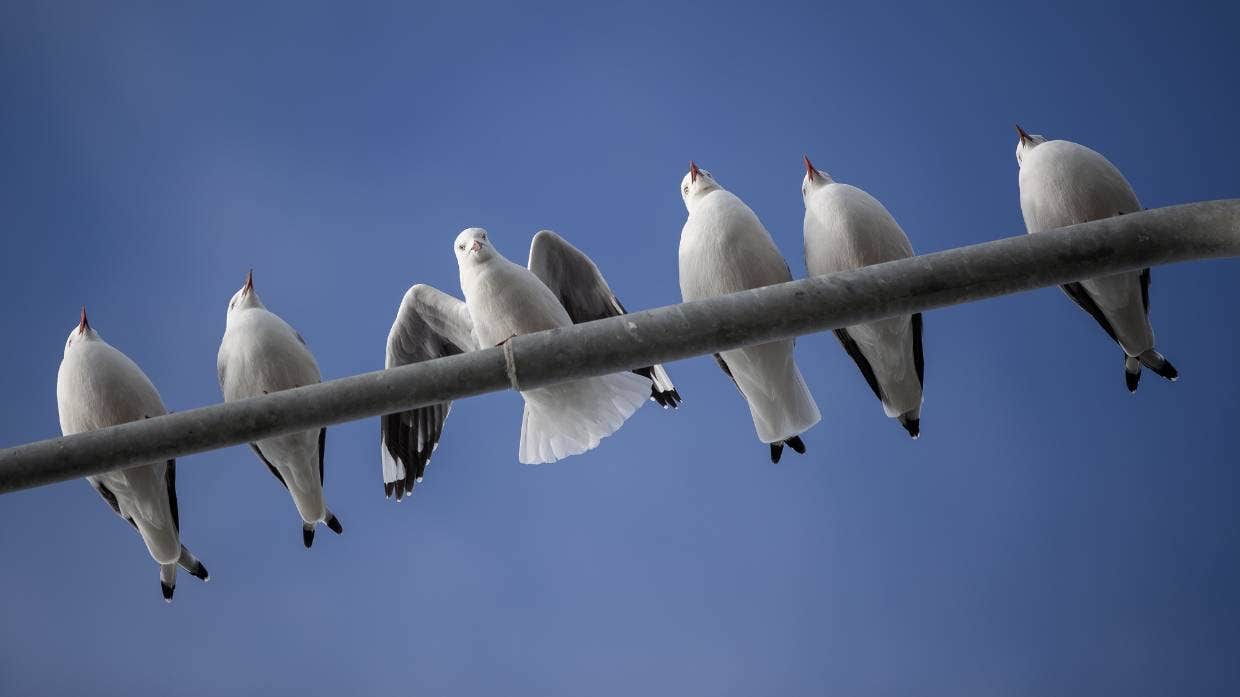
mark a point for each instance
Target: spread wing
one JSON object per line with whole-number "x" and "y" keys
{"x": 430, "y": 324}
{"x": 579, "y": 285}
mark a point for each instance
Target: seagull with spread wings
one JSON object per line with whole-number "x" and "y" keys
{"x": 562, "y": 286}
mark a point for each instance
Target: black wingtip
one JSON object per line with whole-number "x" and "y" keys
{"x": 333, "y": 524}
{"x": 796, "y": 444}
{"x": 1132, "y": 380}
{"x": 1166, "y": 370}
{"x": 388, "y": 487}
{"x": 167, "y": 589}
{"x": 666, "y": 399}
{"x": 307, "y": 536}
{"x": 913, "y": 426}
{"x": 777, "y": 451}
{"x": 200, "y": 572}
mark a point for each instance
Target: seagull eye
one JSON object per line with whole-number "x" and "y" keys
{"x": 686, "y": 189}
{"x": 461, "y": 247}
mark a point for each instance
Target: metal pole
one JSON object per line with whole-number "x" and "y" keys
{"x": 1177, "y": 233}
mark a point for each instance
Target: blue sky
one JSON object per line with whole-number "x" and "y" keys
{"x": 1049, "y": 533}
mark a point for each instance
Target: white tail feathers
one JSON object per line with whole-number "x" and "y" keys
{"x": 779, "y": 401}
{"x": 571, "y": 418}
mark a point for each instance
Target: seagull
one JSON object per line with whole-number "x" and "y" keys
{"x": 846, "y": 228}
{"x": 96, "y": 387}
{"x": 725, "y": 249}
{"x": 562, "y": 286}
{"x": 260, "y": 354}
{"x": 1062, "y": 184}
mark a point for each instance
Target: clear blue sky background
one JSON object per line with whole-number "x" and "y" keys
{"x": 1049, "y": 534}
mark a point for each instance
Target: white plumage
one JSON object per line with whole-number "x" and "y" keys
{"x": 259, "y": 354}
{"x": 847, "y": 228}
{"x": 562, "y": 286}
{"x": 1062, "y": 184}
{"x": 98, "y": 386}
{"x": 725, "y": 249}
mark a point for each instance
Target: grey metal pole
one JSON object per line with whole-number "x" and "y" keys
{"x": 1177, "y": 233}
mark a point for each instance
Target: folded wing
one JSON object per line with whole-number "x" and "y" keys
{"x": 579, "y": 285}
{"x": 430, "y": 324}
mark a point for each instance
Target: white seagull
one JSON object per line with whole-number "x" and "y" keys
{"x": 846, "y": 228}
{"x": 725, "y": 249}
{"x": 96, "y": 387}
{"x": 562, "y": 286}
{"x": 261, "y": 353}
{"x": 1061, "y": 184}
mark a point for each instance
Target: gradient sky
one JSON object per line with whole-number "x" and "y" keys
{"x": 1049, "y": 533}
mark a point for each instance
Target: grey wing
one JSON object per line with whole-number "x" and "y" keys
{"x": 577, "y": 283}
{"x": 430, "y": 324}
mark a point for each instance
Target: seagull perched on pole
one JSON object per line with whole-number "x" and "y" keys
{"x": 725, "y": 249}
{"x": 562, "y": 286}
{"x": 260, "y": 354}
{"x": 1062, "y": 184}
{"x": 96, "y": 387}
{"x": 846, "y": 228}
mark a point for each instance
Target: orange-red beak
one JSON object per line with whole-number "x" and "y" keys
{"x": 1020, "y": 131}
{"x": 809, "y": 167}
{"x": 249, "y": 281}
{"x": 693, "y": 171}
{"x": 83, "y": 324}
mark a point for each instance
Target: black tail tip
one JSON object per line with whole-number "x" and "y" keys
{"x": 913, "y": 426}
{"x": 1132, "y": 380}
{"x": 796, "y": 444}
{"x": 307, "y": 536}
{"x": 167, "y": 589}
{"x": 777, "y": 451}
{"x": 334, "y": 524}
{"x": 200, "y": 572}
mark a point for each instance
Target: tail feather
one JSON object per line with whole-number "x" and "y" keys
{"x": 569, "y": 419}
{"x": 778, "y": 398}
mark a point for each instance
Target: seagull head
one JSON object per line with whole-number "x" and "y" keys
{"x": 473, "y": 247}
{"x": 82, "y": 332}
{"x": 1026, "y": 142}
{"x": 814, "y": 179}
{"x": 245, "y": 298}
{"x": 696, "y": 183}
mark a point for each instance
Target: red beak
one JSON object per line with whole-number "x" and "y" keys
{"x": 475, "y": 246}
{"x": 249, "y": 281}
{"x": 1023, "y": 136}
{"x": 693, "y": 171}
{"x": 809, "y": 167}
{"x": 83, "y": 324}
